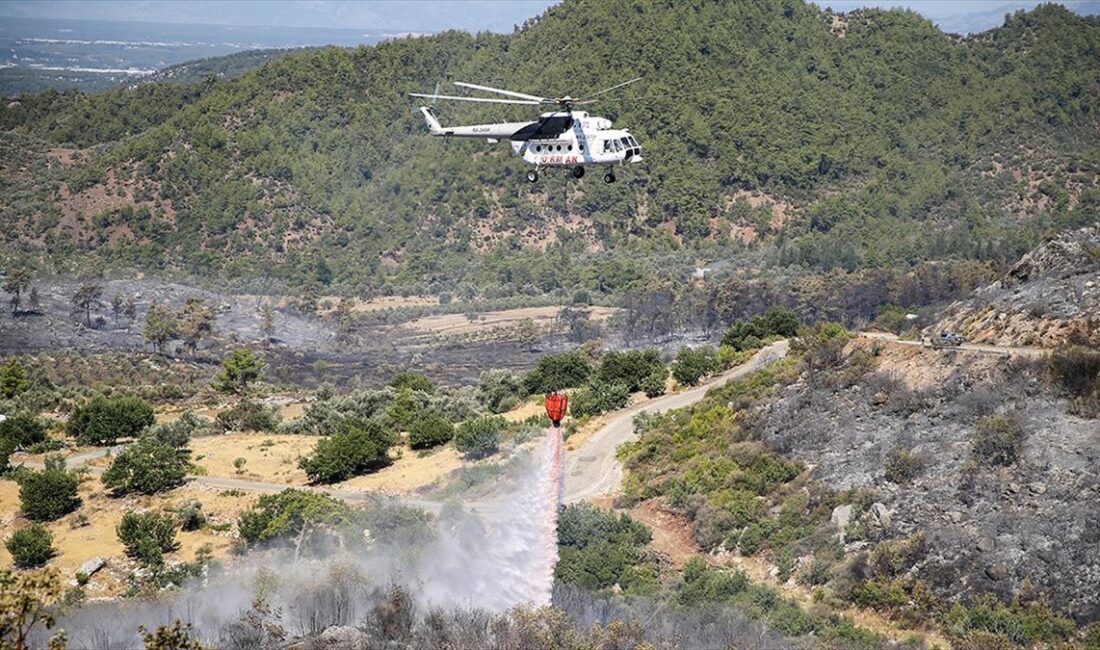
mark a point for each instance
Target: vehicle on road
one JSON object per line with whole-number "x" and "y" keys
{"x": 946, "y": 340}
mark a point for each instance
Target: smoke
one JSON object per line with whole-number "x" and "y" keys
{"x": 489, "y": 555}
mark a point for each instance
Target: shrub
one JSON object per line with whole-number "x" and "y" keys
{"x": 103, "y": 421}
{"x": 146, "y": 467}
{"x": 903, "y": 466}
{"x": 6, "y": 449}
{"x": 997, "y": 440}
{"x": 177, "y": 434}
{"x": 356, "y": 446}
{"x": 629, "y": 368}
{"x": 499, "y": 390}
{"x": 191, "y": 516}
{"x": 288, "y": 512}
{"x": 31, "y": 546}
{"x": 557, "y": 371}
{"x": 412, "y": 381}
{"x": 1077, "y": 368}
{"x": 429, "y": 431}
{"x": 48, "y": 495}
{"x": 23, "y": 430}
{"x": 13, "y": 379}
{"x": 239, "y": 369}
{"x": 654, "y": 384}
{"x": 599, "y": 549}
{"x": 692, "y": 364}
{"x": 147, "y": 536}
{"x": 480, "y": 437}
{"x": 247, "y": 415}
{"x": 598, "y": 398}
{"x": 746, "y": 335}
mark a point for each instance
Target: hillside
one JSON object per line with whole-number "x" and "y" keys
{"x": 777, "y": 134}
{"x": 1048, "y": 298}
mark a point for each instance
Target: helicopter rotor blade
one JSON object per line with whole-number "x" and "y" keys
{"x": 510, "y": 93}
{"x": 591, "y": 97}
{"x": 484, "y": 100}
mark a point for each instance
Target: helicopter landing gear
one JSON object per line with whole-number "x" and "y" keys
{"x": 578, "y": 171}
{"x": 532, "y": 176}
{"x": 609, "y": 177}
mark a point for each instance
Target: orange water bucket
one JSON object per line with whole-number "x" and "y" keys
{"x": 556, "y": 406}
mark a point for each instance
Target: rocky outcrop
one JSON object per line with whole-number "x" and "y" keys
{"x": 1050, "y": 297}
{"x": 1030, "y": 525}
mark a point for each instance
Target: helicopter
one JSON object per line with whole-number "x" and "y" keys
{"x": 563, "y": 138}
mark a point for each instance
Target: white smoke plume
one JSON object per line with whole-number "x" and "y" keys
{"x": 490, "y": 555}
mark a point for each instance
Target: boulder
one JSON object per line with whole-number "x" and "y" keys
{"x": 842, "y": 515}
{"x": 343, "y": 637}
{"x": 90, "y": 567}
{"x": 882, "y": 514}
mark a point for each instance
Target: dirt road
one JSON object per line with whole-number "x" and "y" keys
{"x": 593, "y": 470}
{"x": 970, "y": 347}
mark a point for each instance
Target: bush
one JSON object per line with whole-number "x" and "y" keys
{"x": 191, "y": 516}
{"x": 31, "y": 546}
{"x": 239, "y": 369}
{"x": 23, "y": 430}
{"x": 412, "y": 381}
{"x": 599, "y": 549}
{"x": 557, "y": 371}
{"x": 103, "y": 421}
{"x": 654, "y": 384}
{"x": 597, "y": 399}
{"x": 48, "y": 495}
{"x": 692, "y": 364}
{"x": 1077, "y": 368}
{"x": 177, "y": 434}
{"x": 480, "y": 437}
{"x": 147, "y": 536}
{"x": 146, "y": 467}
{"x": 903, "y": 466}
{"x": 499, "y": 390}
{"x": 997, "y": 440}
{"x": 429, "y": 431}
{"x": 13, "y": 379}
{"x": 629, "y": 368}
{"x": 746, "y": 335}
{"x": 356, "y": 446}
{"x": 6, "y": 449}
{"x": 288, "y": 512}
{"x": 247, "y": 415}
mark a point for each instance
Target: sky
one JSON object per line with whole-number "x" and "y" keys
{"x": 435, "y": 15}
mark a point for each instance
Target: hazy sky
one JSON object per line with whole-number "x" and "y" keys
{"x": 436, "y": 15}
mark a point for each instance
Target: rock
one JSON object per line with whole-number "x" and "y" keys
{"x": 1037, "y": 488}
{"x": 343, "y": 637}
{"x": 955, "y": 516}
{"x": 881, "y": 514}
{"x": 997, "y": 571}
{"x": 879, "y": 398}
{"x": 90, "y": 567}
{"x": 985, "y": 545}
{"x": 1014, "y": 488}
{"x": 842, "y": 515}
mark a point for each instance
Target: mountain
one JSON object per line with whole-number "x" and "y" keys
{"x": 777, "y": 134}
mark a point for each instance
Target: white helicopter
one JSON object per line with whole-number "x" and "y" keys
{"x": 563, "y": 138}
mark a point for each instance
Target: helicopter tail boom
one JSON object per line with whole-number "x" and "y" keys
{"x": 494, "y": 132}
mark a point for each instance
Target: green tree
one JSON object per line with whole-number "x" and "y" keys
{"x": 103, "y": 421}
{"x": 629, "y": 368}
{"x": 290, "y": 512}
{"x": 7, "y": 447}
{"x": 693, "y": 363}
{"x": 556, "y": 372}
{"x": 146, "y": 467}
{"x": 412, "y": 381}
{"x": 13, "y": 379}
{"x": 23, "y": 430}
{"x": 147, "y": 536}
{"x": 86, "y": 299}
{"x": 48, "y": 495}
{"x": 430, "y": 430}
{"x": 499, "y": 390}
{"x": 239, "y": 369}
{"x": 160, "y": 326}
{"x": 479, "y": 437}
{"x": 16, "y": 282}
{"x": 31, "y": 546}
{"x": 356, "y": 446}
{"x": 195, "y": 321}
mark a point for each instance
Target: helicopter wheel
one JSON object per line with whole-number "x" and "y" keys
{"x": 578, "y": 172}
{"x": 532, "y": 176}
{"x": 609, "y": 177}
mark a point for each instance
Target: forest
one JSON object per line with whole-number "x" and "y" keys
{"x": 778, "y": 136}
